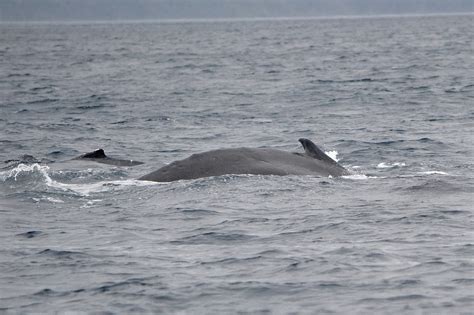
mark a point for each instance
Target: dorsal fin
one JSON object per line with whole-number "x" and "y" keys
{"x": 313, "y": 151}
{"x": 97, "y": 154}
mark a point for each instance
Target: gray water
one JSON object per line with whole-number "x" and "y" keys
{"x": 393, "y": 97}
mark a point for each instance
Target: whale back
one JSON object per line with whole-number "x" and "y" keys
{"x": 257, "y": 161}
{"x": 100, "y": 157}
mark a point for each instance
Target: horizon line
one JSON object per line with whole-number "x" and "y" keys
{"x": 233, "y": 19}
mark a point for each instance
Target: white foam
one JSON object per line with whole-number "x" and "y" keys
{"x": 91, "y": 203}
{"x": 21, "y": 169}
{"x": 49, "y": 199}
{"x": 391, "y": 165}
{"x": 82, "y": 189}
{"x": 358, "y": 177}
{"x": 90, "y": 188}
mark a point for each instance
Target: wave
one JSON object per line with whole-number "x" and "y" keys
{"x": 42, "y": 101}
{"x": 12, "y": 75}
{"x": 433, "y": 173}
{"x": 348, "y": 80}
{"x": 30, "y": 234}
{"x": 37, "y": 178}
{"x": 433, "y": 185}
{"x": 60, "y": 253}
{"x": 213, "y": 237}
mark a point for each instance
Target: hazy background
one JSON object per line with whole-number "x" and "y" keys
{"x": 39, "y": 10}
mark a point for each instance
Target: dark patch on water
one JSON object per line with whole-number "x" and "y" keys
{"x": 464, "y": 281}
{"x": 119, "y": 286}
{"x": 93, "y": 106}
{"x": 213, "y": 238}
{"x": 62, "y": 254}
{"x": 49, "y": 293}
{"x": 12, "y": 75}
{"x": 42, "y": 101}
{"x": 30, "y": 234}
{"x": 433, "y": 186}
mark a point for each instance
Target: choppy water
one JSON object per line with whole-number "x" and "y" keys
{"x": 393, "y": 96}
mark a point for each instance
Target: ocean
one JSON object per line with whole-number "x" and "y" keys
{"x": 390, "y": 97}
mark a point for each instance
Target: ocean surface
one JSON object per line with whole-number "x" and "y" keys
{"x": 391, "y": 96}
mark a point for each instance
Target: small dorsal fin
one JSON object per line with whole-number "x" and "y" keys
{"x": 97, "y": 154}
{"x": 313, "y": 151}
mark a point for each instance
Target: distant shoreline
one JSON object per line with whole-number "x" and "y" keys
{"x": 227, "y": 20}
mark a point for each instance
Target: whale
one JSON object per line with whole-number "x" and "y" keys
{"x": 256, "y": 161}
{"x": 234, "y": 161}
{"x": 100, "y": 157}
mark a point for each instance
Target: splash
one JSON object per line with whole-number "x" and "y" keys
{"x": 25, "y": 175}
{"x": 332, "y": 155}
{"x": 87, "y": 189}
{"x": 25, "y": 170}
{"x": 48, "y": 199}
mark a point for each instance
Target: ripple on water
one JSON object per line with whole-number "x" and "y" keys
{"x": 213, "y": 238}
{"x": 30, "y": 234}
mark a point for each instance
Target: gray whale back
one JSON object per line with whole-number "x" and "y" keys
{"x": 257, "y": 161}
